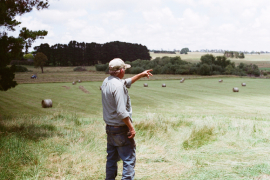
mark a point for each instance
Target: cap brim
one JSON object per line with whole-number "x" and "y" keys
{"x": 127, "y": 66}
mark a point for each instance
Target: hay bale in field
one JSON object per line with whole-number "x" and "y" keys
{"x": 46, "y": 103}
{"x": 220, "y": 80}
{"x": 74, "y": 82}
{"x": 163, "y": 85}
{"x": 182, "y": 80}
{"x": 145, "y": 85}
{"x": 79, "y": 81}
{"x": 235, "y": 89}
{"x": 243, "y": 84}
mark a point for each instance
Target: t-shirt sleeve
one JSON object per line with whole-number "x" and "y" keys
{"x": 128, "y": 82}
{"x": 120, "y": 101}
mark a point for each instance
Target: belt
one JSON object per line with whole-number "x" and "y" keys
{"x": 116, "y": 126}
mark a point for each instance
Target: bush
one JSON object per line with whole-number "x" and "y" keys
{"x": 257, "y": 72}
{"x": 216, "y": 73}
{"x": 79, "y": 68}
{"x": 157, "y": 70}
{"x": 20, "y": 69}
{"x": 204, "y": 69}
{"x": 101, "y": 67}
{"x": 229, "y": 69}
{"x": 136, "y": 70}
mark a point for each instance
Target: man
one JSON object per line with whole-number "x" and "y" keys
{"x": 117, "y": 113}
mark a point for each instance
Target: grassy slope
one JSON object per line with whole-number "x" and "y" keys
{"x": 198, "y": 129}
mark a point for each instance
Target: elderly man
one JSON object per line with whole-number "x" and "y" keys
{"x": 117, "y": 113}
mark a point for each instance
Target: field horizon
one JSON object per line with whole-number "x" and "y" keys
{"x": 262, "y": 60}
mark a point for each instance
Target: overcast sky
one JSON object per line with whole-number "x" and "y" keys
{"x": 159, "y": 24}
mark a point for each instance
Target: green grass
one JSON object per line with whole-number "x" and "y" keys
{"x": 199, "y": 129}
{"x": 265, "y": 69}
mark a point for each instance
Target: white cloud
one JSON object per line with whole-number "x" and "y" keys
{"x": 51, "y": 16}
{"x": 198, "y": 24}
{"x": 193, "y": 19}
{"x": 188, "y": 2}
{"x": 76, "y": 24}
{"x": 112, "y": 16}
{"x": 33, "y": 23}
{"x": 227, "y": 28}
{"x": 249, "y": 13}
{"x": 163, "y": 15}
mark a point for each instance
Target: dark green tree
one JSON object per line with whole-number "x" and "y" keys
{"x": 40, "y": 60}
{"x": 184, "y": 51}
{"x": 208, "y": 59}
{"x": 205, "y": 69}
{"x": 11, "y": 47}
{"x": 242, "y": 56}
{"x": 30, "y": 36}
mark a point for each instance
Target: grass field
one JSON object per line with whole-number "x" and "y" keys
{"x": 198, "y": 129}
{"x": 263, "y": 60}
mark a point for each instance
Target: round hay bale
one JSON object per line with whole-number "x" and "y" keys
{"x": 235, "y": 89}
{"x": 243, "y": 84}
{"x": 74, "y": 82}
{"x": 163, "y": 85}
{"x": 220, "y": 80}
{"x": 79, "y": 81}
{"x": 145, "y": 85}
{"x": 46, "y": 103}
{"x": 182, "y": 80}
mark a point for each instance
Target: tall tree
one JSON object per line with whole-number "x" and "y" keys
{"x": 10, "y": 47}
{"x": 30, "y": 36}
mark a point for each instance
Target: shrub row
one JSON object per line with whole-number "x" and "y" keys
{"x": 209, "y": 65}
{"x": 79, "y": 68}
{"x": 21, "y": 69}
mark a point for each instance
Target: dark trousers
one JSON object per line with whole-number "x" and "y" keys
{"x": 120, "y": 146}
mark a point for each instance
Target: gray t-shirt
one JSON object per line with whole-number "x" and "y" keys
{"x": 115, "y": 100}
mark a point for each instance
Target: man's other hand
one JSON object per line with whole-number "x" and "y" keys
{"x": 131, "y": 133}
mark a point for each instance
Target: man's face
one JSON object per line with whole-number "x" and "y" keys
{"x": 122, "y": 73}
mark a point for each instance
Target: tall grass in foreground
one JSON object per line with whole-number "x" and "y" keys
{"x": 187, "y": 146}
{"x": 51, "y": 147}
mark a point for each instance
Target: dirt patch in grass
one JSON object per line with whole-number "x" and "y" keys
{"x": 66, "y": 87}
{"x": 83, "y": 89}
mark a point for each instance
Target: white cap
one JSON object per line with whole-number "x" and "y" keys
{"x": 117, "y": 64}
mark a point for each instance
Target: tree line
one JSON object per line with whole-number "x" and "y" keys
{"x": 86, "y": 54}
{"x": 234, "y": 54}
{"x": 208, "y": 65}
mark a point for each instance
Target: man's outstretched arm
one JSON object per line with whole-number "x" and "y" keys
{"x": 145, "y": 73}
